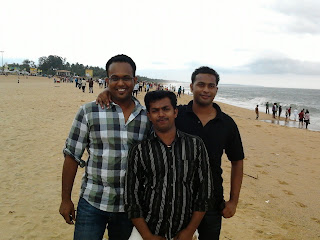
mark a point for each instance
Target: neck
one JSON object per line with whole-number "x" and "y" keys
{"x": 202, "y": 109}
{"x": 168, "y": 136}
{"x": 125, "y": 104}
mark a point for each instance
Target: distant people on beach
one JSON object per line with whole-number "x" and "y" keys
{"x": 135, "y": 89}
{"x": 274, "y": 110}
{"x": 257, "y": 111}
{"x": 289, "y": 112}
{"x": 267, "y": 107}
{"x": 301, "y": 117}
{"x": 83, "y": 84}
{"x": 90, "y": 85}
{"x": 307, "y": 118}
{"x": 179, "y": 92}
{"x": 280, "y": 110}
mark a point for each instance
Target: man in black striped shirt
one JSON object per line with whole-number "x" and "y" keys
{"x": 168, "y": 182}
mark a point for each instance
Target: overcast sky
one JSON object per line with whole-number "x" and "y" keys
{"x": 263, "y": 42}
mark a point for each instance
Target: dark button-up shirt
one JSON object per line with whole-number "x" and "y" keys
{"x": 166, "y": 184}
{"x": 219, "y": 134}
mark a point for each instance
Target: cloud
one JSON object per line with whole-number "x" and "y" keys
{"x": 305, "y": 15}
{"x": 283, "y": 66}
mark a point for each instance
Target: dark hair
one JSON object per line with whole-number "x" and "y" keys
{"x": 154, "y": 96}
{"x": 205, "y": 70}
{"x": 121, "y": 58}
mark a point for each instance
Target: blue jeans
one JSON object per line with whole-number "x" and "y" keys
{"x": 91, "y": 223}
{"x": 210, "y": 226}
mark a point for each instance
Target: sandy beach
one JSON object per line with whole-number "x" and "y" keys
{"x": 280, "y": 192}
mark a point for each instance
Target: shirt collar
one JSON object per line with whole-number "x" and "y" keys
{"x": 138, "y": 107}
{"x": 154, "y": 136}
{"x": 216, "y": 106}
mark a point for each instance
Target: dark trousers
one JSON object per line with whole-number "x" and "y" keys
{"x": 210, "y": 226}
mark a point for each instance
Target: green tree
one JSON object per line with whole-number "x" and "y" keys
{"x": 50, "y": 64}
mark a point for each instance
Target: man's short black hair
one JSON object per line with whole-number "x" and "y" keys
{"x": 154, "y": 96}
{"x": 205, "y": 70}
{"x": 121, "y": 58}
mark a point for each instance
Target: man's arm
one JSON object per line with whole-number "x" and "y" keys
{"x": 187, "y": 233}
{"x": 70, "y": 167}
{"x": 143, "y": 229}
{"x": 236, "y": 181}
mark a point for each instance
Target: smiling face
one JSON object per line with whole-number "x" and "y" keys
{"x": 162, "y": 115}
{"x": 121, "y": 81}
{"x": 204, "y": 89}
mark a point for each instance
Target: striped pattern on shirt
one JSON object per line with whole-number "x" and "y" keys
{"x": 165, "y": 185}
{"x": 107, "y": 138}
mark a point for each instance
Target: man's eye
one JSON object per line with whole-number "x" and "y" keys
{"x": 127, "y": 79}
{"x": 114, "y": 79}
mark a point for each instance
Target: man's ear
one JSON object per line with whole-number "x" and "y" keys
{"x": 191, "y": 87}
{"x": 107, "y": 80}
{"x": 135, "y": 79}
{"x": 176, "y": 113}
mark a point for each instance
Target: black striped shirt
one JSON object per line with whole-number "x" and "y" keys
{"x": 166, "y": 184}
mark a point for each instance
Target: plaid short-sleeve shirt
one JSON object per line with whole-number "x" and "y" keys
{"x": 107, "y": 138}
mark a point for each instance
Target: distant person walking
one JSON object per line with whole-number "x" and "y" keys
{"x": 289, "y": 112}
{"x": 267, "y": 107}
{"x": 135, "y": 89}
{"x": 307, "y": 118}
{"x": 83, "y": 84}
{"x": 91, "y": 86}
{"x": 301, "y": 117}
{"x": 257, "y": 112}
{"x": 274, "y": 110}
{"x": 280, "y": 110}
{"x": 179, "y": 92}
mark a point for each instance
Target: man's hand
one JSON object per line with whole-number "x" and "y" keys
{"x": 67, "y": 211}
{"x": 104, "y": 98}
{"x": 229, "y": 210}
{"x": 184, "y": 234}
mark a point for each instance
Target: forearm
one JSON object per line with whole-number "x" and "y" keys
{"x": 142, "y": 227}
{"x": 195, "y": 221}
{"x": 69, "y": 172}
{"x": 236, "y": 180}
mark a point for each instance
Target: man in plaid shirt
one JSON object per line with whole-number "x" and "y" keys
{"x": 107, "y": 134}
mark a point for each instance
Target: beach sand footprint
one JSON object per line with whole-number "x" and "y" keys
{"x": 283, "y": 182}
{"x": 272, "y": 196}
{"x": 288, "y": 192}
{"x": 301, "y": 205}
{"x": 316, "y": 220}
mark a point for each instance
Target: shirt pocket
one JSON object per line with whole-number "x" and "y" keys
{"x": 186, "y": 169}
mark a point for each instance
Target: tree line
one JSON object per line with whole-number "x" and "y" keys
{"x": 51, "y": 63}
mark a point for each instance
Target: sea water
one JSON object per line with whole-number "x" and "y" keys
{"x": 250, "y": 96}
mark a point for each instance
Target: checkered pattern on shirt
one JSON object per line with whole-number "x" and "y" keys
{"x": 107, "y": 138}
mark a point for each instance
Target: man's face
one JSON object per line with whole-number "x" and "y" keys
{"x": 121, "y": 81}
{"x": 162, "y": 115}
{"x": 204, "y": 89}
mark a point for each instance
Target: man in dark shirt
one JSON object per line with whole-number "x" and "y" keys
{"x": 168, "y": 181}
{"x": 219, "y": 133}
